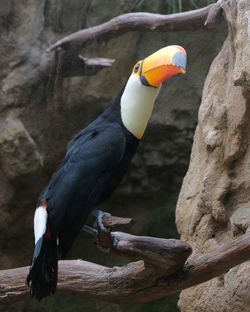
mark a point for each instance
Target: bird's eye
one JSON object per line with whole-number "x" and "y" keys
{"x": 137, "y": 67}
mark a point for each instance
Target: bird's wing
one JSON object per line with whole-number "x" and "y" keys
{"x": 84, "y": 174}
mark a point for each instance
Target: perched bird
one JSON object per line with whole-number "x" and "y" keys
{"x": 95, "y": 162}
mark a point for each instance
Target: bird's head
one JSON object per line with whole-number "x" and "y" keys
{"x": 144, "y": 84}
{"x": 161, "y": 65}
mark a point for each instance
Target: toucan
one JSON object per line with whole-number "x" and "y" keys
{"x": 95, "y": 162}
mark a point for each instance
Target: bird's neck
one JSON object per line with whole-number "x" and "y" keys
{"x": 137, "y": 103}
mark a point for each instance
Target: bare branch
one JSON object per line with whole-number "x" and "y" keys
{"x": 213, "y": 16}
{"x": 82, "y": 66}
{"x": 168, "y": 255}
{"x": 139, "y": 21}
{"x": 134, "y": 282}
{"x": 69, "y": 63}
{"x": 112, "y": 221}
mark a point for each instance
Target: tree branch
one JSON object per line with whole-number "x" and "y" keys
{"x": 134, "y": 282}
{"x": 70, "y": 63}
{"x": 214, "y": 14}
{"x": 140, "y": 21}
{"x": 76, "y": 65}
{"x": 110, "y": 221}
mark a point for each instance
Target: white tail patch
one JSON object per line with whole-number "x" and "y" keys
{"x": 40, "y": 222}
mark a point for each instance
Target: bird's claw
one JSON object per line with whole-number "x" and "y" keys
{"x": 94, "y": 233}
{"x": 98, "y": 222}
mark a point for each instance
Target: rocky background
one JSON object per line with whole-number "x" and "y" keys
{"x": 36, "y": 124}
{"x": 213, "y": 205}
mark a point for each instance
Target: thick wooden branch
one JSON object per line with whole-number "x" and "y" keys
{"x": 110, "y": 221}
{"x": 168, "y": 255}
{"x": 140, "y": 21}
{"x": 68, "y": 62}
{"x": 214, "y": 15}
{"x": 72, "y": 66}
{"x": 135, "y": 282}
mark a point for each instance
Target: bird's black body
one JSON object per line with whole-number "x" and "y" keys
{"x": 96, "y": 160}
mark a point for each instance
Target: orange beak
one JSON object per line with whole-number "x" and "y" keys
{"x": 162, "y": 65}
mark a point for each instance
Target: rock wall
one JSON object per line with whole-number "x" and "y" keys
{"x": 214, "y": 203}
{"x": 35, "y": 124}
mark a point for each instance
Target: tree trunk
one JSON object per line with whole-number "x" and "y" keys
{"x": 213, "y": 205}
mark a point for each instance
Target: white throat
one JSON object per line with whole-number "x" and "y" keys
{"x": 137, "y": 104}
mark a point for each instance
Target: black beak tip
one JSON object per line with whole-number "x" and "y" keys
{"x": 180, "y": 60}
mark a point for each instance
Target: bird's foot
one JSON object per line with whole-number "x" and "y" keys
{"x": 94, "y": 233}
{"x": 99, "y": 214}
{"x": 90, "y": 230}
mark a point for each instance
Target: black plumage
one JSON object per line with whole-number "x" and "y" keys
{"x": 96, "y": 160}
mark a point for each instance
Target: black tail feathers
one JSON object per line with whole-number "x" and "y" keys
{"x": 42, "y": 277}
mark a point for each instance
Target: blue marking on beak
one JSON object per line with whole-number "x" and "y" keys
{"x": 180, "y": 60}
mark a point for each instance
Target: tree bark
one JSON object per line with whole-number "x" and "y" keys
{"x": 137, "y": 281}
{"x": 70, "y": 63}
{"x": 141, "y": 21}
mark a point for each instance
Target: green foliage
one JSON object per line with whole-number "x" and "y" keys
{"x": 176, "y": 6}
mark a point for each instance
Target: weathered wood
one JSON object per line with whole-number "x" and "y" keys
{"x": 214, "y": 15}
{"x": 82, "y": 66}
{"x": 215, "y": 263}
{"x": 139, "y": 21}
{"x": 68, "y": 61}
{"x": 110, "y": 221}
{"x": 71, "y": 65}
{"x": 168, "y": 255}
{"x": 135, "y": 282}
